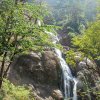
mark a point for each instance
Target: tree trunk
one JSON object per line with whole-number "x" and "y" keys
{"x": 2, "y": 69}
{"x": 5, "y": 73}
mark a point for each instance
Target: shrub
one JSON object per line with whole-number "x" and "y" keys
{"x": 72, "y": 57}
{"x": 12, "y": 92}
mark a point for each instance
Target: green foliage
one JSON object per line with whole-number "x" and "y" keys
{"x": 12, "y": 92}
{"x": 71, "y": 57}
{"x": 19, "y": 31}
{"x": 74, "y": 14}
{"x": 18, "y": 28}
{"x": 89, "y": 42}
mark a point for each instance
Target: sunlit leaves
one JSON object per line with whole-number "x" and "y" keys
{"x": 19, "y": 31}
{"x": 89, "y": 42}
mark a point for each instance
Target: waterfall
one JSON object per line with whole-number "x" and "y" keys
{"x": 69, "y": 91}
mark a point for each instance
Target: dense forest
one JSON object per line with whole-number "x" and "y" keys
{"x": 49, "y": 49}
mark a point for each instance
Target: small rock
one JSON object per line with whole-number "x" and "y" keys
{"x": 89, "y": 63}
{"x": 57, "y": 94}
{"x": 35, "y": 56}
{"x": 49, "y": 98}
{"x": 81, "y": 66}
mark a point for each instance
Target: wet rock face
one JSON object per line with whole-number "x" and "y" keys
{"x": 42, "y": 68}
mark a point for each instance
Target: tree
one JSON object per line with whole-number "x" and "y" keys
{"x": 89, "y": 42}
{"x": 74, "y": 14}
{"x": 19, "y": 31}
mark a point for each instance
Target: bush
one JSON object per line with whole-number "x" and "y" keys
{"x": 71, "y": 57}
{"x": 12, "y": 92}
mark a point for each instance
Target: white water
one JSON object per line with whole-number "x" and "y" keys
{"x": 67, "y": 76}
{"x": 66, "y": 72}
{"x": 75, "y": 89}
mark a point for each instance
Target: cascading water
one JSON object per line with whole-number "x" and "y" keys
{"x": 75, "y": 89}
{"x": 70, "y": 92}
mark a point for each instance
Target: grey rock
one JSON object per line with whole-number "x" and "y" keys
{"x": 57, "y": 94}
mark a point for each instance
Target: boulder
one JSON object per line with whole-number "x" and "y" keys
{"x": 42, "y": 68}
